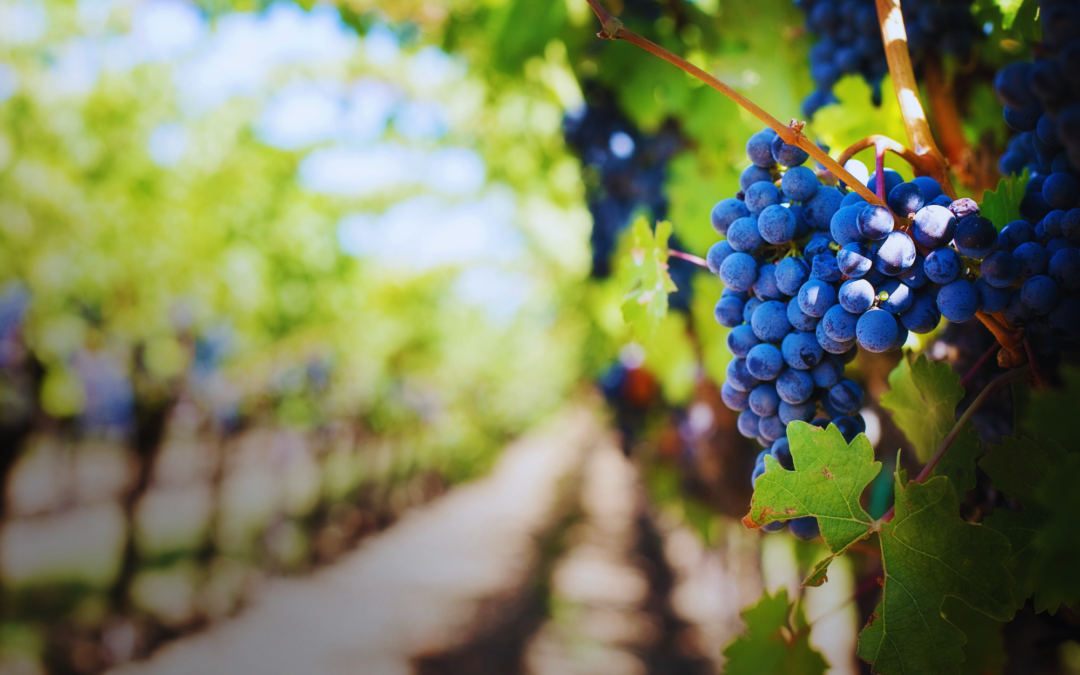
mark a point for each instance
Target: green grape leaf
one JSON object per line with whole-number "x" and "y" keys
{"x": 1057, "y": 543}
{"x": 828, "y": 479}
{"x": 922, "y": 398}
{"x": 647, "y": 300}
{"x": 984, "y": 651}
{"x": 928, "y": 552}
{"x": 777, "y": 641}
{"x": 1002, "y": 206}
{"x": 1052, "y": 413}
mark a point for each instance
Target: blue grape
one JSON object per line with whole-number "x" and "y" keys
{"x": 857, "y": 296}
{"x": 1069, "y": 225}
{"x": 800, "y": 350}
{"x": 759, "y": 149}
{"x": 895, "y": 297}
{"x": 749, "y": 308}
{"x": 905, "y": 199}
{"x": 1011, "y": 85}
{"x": 788, "y": 155}
{"x": 923, "y": 315}
{"x": 805, "y": 528}
{"x": 819, "y": 244}
{"x": 852, "y": 199}
{"x": 764, "y": 400}
{"x": 764, "y": 362}
{"x": 830, "y": 345}
{"x": 820, "y": 209}
{"x": 1014, "y": 234}
{"x": 844, "y": 225}
{"x": 816, "y": 297}
{"x": 739, "y": 377}
{"x": 729, "y": 312}
{"x": 748, "y": 424}
{"x": 759, "y": 467}
{"x": 771, "y": 428}
{"x": 776, "y": 224}
{"x": 876, "y": 331}
{"x": 991, "y": 300}
{"x": 733, "y": 398}
{"x": 1053, "y": 223}
{"x": 931, "y": 189}
{"x": 739, "y": 271}
{"x": 825, "y": 268}
{"x": 847, "y": 427}
{"x": 854, "y": 260}
{"x": 791, "y": 274}
{"x": 1016, "y": 312}
{"x": 1000, "y": 269}
{"x": 770, "y": 321}
{"x": 915, "y": 276}
{"x": 1061, "y": 191}
{"x": 800, "y": 184}
{"x": 892, "y": 179}
{"x": 795, "y": 386}
{"x": 942, "y": 266}
{"x": 802, "y": 412}
{"x": 716, "y": 255}
{"x": 1040, "y": 295}
{"x": 798, "y": 319}
{"x": 781, "y": 452}
{"x": 726, "y": 212}
{"x": 1020, "y": 119}
{"x": 839, "y": 324}
{"x": 1056, "y": 244}
{"x": 895, "y": 255}
{"x": 1031, "y": 259}
{"x": 976, "y": 237}
{"x": 827, "y": 373}
{"x": 1065, "y": 319}
{"x": 846, "y": 396}
{"x": 753, "y": 174}
{"x": 1064, "y": 269}
{"x": 933, "y": 226}
{"x": 741, "y": 340}
{"x": 941, "y": 200}
{"x": 761, "y": 195}
{"x": 958, "y": 301}
{"x": 743, "y": 235}
{"x": 765, "y": 287}
{"x": 964, "y": 207}
{"x": 874, "y": 222}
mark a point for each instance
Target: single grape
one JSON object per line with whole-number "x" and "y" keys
{"x": 816, "y": 297}
{"x": 739, "y": 271}
{"x": 857, "y": 295}
{"x": 726, "y": 212}
{"x": 765, "y": 287}
{"x": 729, "y": 312}
{"x": 852, "y": 199}
{"x": 716, "y": 255}
{"x": 1065, "y": 319}
{"x": 1040, "y": 295}
{"x": 743, "y": 235}
{"x": 788, "y": 155}
{"x": 846, "y": 396}
{"x": 739, "y": 377}
{"x": 798, "y": 319}
{"x": 772, "y": 428}
{"x": 892, "y": 179}
{"x": 1056, "y": 244}
{"x": 931, "y": 189}
{"x": 759, "y": 150}
{"x": 749, "y": 308}
{"x": 830, "y": 345}
{"x": 770, "y": 322}
{"x": 839, "y": 324}
{"x": 781, "y": 452}
{"x": 1000, "y": 269}
{"x": 896, "y": 254}
{"x": 894, "y": 297}
{"x": 1069, "y": 225}
{"x": 741, "y": 340}
{"x": 825, "y": 268}
{"x": 933, "y": 226}
{"x": 915, "y": 276}
{"x": 1061, "y": 191}
{"x": 764, "y": 362}
{"x": 805, "y": 528}
{"x": 776, "y": 224}
{"x": 874, "y": 222}
{"x": 1031, "y": 260}
{"x": 791, "y": 274}
{"x": 958, "y": 301}
{"x": 819, "y": 244}
{"x": 748, "y": 423}
{"x": 844, "y": 225}
{"x": 854, "y": 260}
{"x": 764, "y": 400}
{"x": 1011, "y": 85}
{"x": 942, "y": 266}
{"x": 753, "y": 174}
{"x": 733, "y": 398}
{"x": 800, "y": 184}
{"x": 923, "y": 316}
{"x": 1064, "y": 269}
{"x": 800, "y": 350}
{"x": 794, "y": 386}
{"x": 847, "y": 427}
{"x": 761, "y": 195}
{"x": 964, "y": 207}
{"x": 905, "y": 199}
{"x": 802, "y": 412}
{"x": 876, "y": 330}
{"x": 820, "y": 209}
{"x": 991, "y": 300}
{"x": 1014, "y": 234}
{"x": 1016, "y": 312}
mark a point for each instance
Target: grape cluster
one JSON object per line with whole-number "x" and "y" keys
{"x": 850, "y": 40}
{"x": 811, "y": 273}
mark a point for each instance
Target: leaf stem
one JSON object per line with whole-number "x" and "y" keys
{"x": 613, "y": 29}
{"x": 997, "y": 383}
{"x": 688, "y": 257}
{"x": 980, "y": 363}
{"x": 894, "y": 37}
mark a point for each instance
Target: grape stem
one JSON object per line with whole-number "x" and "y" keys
{"x": 688, "y": 257}
{"x": 613, "y": 29}
{"x": 894, "y": 37}
{"x": 947, "y": 120}
{"x": 1011, "y": 340}
{"x": 979, "y": 364}
{"x": 881, "y": 144}
{"x": 1039, "y": 383}
{"x": 997, "y": 383}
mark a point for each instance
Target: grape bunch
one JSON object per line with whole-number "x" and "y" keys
{"x": 850, "y": 40}
{"x": 811, "y": 273}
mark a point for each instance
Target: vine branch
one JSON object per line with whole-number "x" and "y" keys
{"x": 688, "y": 257}
{"x": 613, "y": 29}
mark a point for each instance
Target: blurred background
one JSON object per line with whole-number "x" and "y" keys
{"x": 311, "y": 351}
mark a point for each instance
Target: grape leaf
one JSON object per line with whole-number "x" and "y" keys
{"x": 828, "y": 479}
{"x": 923, "y": 397}
{"x": 928, "y": 553}
{"x": 984, "y": 651}
{"x": 1057, "y": 543}
{"x": 777, "y": 640}
{"x": 1052, "y": 413}
{"x": 1002, "y": 206}
{"x": 647, "y": 301}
